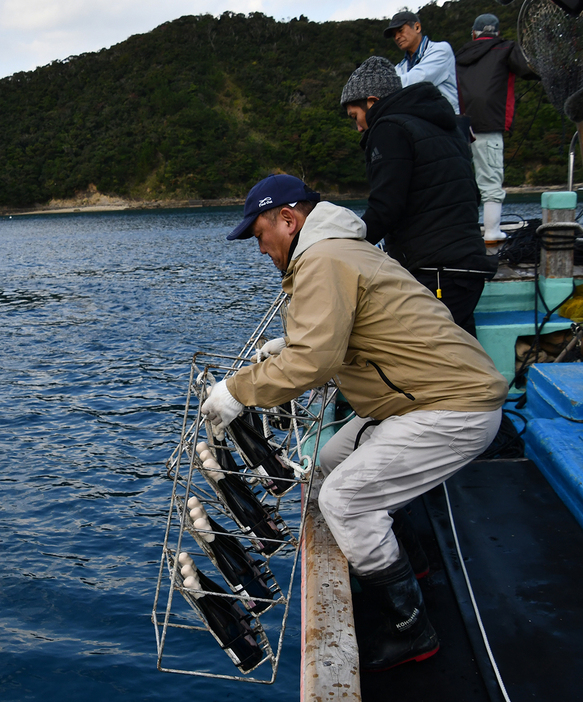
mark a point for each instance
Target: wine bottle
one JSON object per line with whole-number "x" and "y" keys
{"x": 253, "y": 419}
{"x": 253, "y": 517}
{"x": 233, "y": 561}
{"x": 225, "y": 457}
{"x": 276, "y": 418}
{"x": 225, "y": 619}
{"x": 257, "y": 453}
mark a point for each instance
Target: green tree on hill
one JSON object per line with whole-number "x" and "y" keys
{"x": 202, "y": 107}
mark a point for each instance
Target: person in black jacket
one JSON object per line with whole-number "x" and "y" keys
{"x": 423, "y": 196}
{"x": 486, "y": 69}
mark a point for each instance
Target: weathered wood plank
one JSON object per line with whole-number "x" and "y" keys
{"x": 329, "y": 650}
{"x": 557, "y": 262}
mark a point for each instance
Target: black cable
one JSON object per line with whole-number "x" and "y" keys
{"x": 507, "y": 442}
{"x": 520, "y": 246}
{"x": 553, "y": 243}
{"x": 520, "y": 416}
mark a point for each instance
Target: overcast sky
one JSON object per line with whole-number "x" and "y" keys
{"x": 35, "y": 32}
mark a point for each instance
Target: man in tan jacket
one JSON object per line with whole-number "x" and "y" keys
{"x": 427, "y": 396}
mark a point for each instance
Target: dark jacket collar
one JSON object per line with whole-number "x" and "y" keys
{"x": 422, "y": 100}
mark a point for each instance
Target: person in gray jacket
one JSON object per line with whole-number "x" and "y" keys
{"x": 427, "y": 396}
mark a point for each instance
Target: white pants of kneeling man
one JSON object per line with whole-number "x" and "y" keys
{"x": 395, "y": 462}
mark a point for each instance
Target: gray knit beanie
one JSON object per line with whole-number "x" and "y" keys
{"x": 374, "y": 77}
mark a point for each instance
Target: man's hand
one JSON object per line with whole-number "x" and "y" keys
{"x": 221, "y": 407}
{"x": 270, "y": 348}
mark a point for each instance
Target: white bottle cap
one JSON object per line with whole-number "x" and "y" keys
{"x": 184, "y": 558}
{"x": 193, "y": 502}
{"x": 187, "y": 570}
{"x": 203, "y": 523}
{"x": 216, "y": 475}
{"x": 193, "y": 582}
{"x": 197, "y": 513}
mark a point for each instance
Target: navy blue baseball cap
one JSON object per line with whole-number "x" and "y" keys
{"x": 273, "y": 191}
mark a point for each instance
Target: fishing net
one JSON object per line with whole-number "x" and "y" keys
{"x": 552, "y": 42}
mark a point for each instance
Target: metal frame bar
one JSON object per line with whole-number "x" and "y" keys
{"x": 305, "y": 422}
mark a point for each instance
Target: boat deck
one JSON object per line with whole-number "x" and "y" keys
{"x": 516, "y": 634}
{"x": 522, "y": 550}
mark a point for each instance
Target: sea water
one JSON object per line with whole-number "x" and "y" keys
{"x": 100, "y": 315}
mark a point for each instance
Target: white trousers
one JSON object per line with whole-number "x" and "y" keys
{"x": 395, "y": 462}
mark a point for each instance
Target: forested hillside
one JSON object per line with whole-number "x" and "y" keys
{"x": 202, "y": 107}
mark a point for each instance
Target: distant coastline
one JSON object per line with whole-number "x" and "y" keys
{"x": 226, "y": 100}
{"x": 97, "y": 202}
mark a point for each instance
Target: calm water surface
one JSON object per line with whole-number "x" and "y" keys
{"x": 100, "y": 315}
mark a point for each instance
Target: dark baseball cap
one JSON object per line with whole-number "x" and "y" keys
{"x": 399, "y": 20}
{"x": 273, "y": 191}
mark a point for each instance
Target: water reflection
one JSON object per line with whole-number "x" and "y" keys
{"x": 26, "y": 298}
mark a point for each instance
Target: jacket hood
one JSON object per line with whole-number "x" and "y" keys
{"x": 421, "y": 100}
{"x": 474, "y": 50}
{"x": 328, "y": 221}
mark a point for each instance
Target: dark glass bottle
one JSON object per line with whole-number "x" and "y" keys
{"x": 225, "y": 457}
{"x": 276, "y": 420}
{"x": 251, "y": 515}
{"x": 258, "y": 454}
{"x": 226, "y": 619}
{"x": 253, "y": 419}
{"x": 235, "y": 564}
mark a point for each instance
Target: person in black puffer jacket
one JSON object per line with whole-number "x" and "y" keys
{"x": 423, "y": 196}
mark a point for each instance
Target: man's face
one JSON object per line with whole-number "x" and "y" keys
{"x": 273, "y": 238}
{"x": 358, "y": 114}
{"x": 408, "y": 38}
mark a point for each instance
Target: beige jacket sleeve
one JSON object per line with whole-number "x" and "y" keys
{"x": 320, "y": 320}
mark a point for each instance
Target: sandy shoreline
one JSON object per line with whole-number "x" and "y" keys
{"x": 97, "y": 202}
{"x": 107, "y": 204}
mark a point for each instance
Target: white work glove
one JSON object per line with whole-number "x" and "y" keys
{"x": 220, "y": 406}
{"x": 270, "y": 348}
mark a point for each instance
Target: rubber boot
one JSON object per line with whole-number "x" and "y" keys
{"x": 492, "y": 216}
{"x": 405, "y": 533}
{"x": 402, "y": 631}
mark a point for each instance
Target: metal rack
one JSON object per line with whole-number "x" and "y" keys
{"x": 293, "y": 434}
